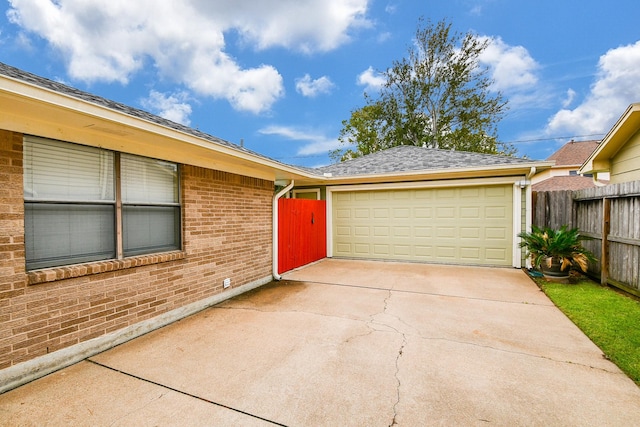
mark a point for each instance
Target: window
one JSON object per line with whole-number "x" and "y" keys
{"x": 79, "y": 200}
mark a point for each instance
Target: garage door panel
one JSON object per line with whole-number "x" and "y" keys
{"x": 495, "y": 212}
{"x": 495, "y": 254}
{"x": 496, "y": 233}
{"x": 470, "y": 232}
{"x": 402, "y": 231}
{"x": 446, "y": 253}
{"x": 424, "y": 213}
{"x": 402, "y": 250}
{"x": 471, "y": 225}
{"x": 343, "y": 213}
{"x": 470, "y": 253}
{"x": 423, "y": 231}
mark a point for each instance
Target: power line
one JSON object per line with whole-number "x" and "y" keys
{"x": 312, "y": 156}
{"x": 554, "y": 137}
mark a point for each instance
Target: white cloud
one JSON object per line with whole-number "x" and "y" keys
{"x": 315, "y": 143}
{"x": 383, "y": 37}
{"x": 512, "y": 67}
{"x": 371, "y": 80}
{"x": 172, "y": 107}
{"x": 616, "y": 86}
{"x": 391, "y": 8}
{"x": 111, "y": 40}
{"x": 571, "y": 95}
{"x": 312, "y": 88}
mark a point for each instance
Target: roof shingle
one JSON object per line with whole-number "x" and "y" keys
{"x": 574, "y": 153}
{"x": 408, "y": 158}
{"x": 568, "y": 182}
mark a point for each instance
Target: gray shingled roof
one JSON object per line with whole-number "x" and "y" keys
{"x": 408, "y": 158}
{"x": 25, "y": 76}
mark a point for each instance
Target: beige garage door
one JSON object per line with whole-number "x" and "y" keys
{"x": 466, "y": 225}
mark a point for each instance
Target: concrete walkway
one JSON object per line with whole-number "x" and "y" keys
{"x": 349, "y": 343}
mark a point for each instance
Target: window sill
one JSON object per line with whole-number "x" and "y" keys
{"x": 79, "y": 270}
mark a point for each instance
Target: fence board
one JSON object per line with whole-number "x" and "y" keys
{"x": 584, "y": 209}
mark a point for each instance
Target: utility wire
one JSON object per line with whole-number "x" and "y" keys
{"x": 312, "y": 156}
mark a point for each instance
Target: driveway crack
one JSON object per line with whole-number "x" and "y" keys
{"x": 397, "y": 375}
{"x": 398, "y": 356}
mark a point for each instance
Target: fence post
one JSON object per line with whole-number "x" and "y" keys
{"x": 606, "y": 225}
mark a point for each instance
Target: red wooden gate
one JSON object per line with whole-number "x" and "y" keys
{"x": 302, "y": 232}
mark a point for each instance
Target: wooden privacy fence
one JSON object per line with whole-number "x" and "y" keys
{"x": 611, "y": 217}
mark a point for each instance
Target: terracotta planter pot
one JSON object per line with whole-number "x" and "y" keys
{"x": 554, "y": 272}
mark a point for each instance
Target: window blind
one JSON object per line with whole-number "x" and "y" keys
{"x": 55, "y": 170}
{"x": 146, "y": 180}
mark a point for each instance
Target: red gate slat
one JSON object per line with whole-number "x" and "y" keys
{"x": 302, "y": 235}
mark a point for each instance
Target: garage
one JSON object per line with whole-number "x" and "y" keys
{"x": 419, "y": 204}
{"x": 454, "y": 225}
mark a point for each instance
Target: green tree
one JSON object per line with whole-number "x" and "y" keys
{"x": 439, "y": 96}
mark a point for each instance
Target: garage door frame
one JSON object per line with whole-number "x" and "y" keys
{"x": 518, "y": 183}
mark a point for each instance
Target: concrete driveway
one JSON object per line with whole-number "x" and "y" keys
{"x": 349, "y": 343}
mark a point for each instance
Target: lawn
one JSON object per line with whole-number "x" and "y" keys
{"x": 610, "y": 318}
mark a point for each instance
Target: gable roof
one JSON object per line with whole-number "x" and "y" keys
{"x": 409, "y": 158}
{"x": 573, "y": 153}
{"x": 626, "y": 126}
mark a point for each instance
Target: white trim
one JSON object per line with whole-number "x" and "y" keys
{"x": 274, "y": 237}
{"x": 426, "y": 184}
{"x": 517, "y": 224}
{"x": 528, "y": 219}
{"x": 329, "y": 221}
{"x": 307, "y": 190}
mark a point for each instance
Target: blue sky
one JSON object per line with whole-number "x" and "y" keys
{"x": 282, "y": 75}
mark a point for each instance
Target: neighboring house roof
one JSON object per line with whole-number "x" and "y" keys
{"x": 573, "y": 153}
{"x": 568, "y": 159}
{"x": 567, "y": 182}
{"x": 626, "y": 126}
{"x": 408, "y": 158}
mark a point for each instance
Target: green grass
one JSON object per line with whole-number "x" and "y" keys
{"x": 609, "y": 318}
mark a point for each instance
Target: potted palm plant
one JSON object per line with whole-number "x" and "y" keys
{"x": 555, "y": 251}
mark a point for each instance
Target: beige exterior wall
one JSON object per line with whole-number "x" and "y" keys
{"x": 227, "y": 229}
{"x": 625, "y": 165}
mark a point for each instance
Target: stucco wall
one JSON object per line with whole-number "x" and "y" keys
{"x": 227, "y": 232}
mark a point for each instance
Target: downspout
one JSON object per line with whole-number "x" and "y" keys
{"x": 597, "y": 183}
{"x": 528, "y": 215}
{"x": 282, "y": 192}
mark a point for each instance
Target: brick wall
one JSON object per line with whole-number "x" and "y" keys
{"x": 227, "y": 230}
